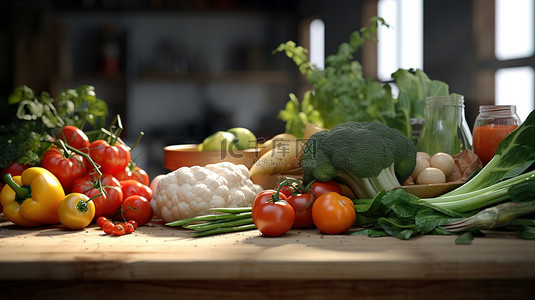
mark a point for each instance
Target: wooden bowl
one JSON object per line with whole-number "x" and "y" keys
{"x": 188, "y": 155}
{"x": 431, "y": 190}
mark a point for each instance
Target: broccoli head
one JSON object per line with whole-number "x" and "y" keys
{"x": 366, "y": 156}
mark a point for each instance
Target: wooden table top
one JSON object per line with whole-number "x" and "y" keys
{"x": 155, "y": 252}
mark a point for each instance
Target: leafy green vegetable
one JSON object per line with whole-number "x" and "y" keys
{"x": 29, "y": 121}
{"x": 414, "y": 86}
{"x": 402, "y": 215}
{"x": 341, "y": 92}
{"x": 80, "y": 106}
{"x": 527, "y": 233}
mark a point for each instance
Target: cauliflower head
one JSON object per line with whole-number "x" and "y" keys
{"x": 191, "y": 191}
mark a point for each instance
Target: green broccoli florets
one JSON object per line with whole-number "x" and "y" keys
{"x": 367, "y": 157}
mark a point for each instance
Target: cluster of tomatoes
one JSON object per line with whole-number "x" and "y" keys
{"x": 321, "y": 205}
{"x": 122, "y": 189}
{"x": 118, "y": 229}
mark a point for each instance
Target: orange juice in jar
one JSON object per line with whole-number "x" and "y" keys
{"x": 491, "y": 126}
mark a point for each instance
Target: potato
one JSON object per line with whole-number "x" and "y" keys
{"x": 283, "y": 138}
{"x": 284, "y": 158}
{"x": 310, "y": 129}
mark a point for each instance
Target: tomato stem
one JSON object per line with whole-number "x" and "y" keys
{"x": 62, "y": 145}
{"x": 294, "y": 183}
{"x": 89, "y": 159}
{"x": 94, "y": 197}
{"x": 119, "y": 128}
{"x": 122, "y": 212}
{"x": 141, "y": 134}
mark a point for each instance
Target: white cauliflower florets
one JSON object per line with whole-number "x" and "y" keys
{"x": 191, "y": 191}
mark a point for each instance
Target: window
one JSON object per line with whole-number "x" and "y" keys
{"x": 401, "y": 45}
{"x": 317, "y": 43}
{"x": 514, "y": 77}
{"x": 514, "y": 29}
{"x": 514, "y": 86}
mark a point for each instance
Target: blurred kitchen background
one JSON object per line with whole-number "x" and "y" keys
{"x": 179, "y": 70}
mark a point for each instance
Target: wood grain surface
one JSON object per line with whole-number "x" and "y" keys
{"x": 169, "y": 259}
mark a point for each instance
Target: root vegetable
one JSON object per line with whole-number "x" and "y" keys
{"x": 310, "y": 129}
{"x": 443, "y": 162}
{"x": 278, "y": 160}
{"x": 421, "y": 163}
{"x": 283, "y": 138}
{"x": 423, "y": 155}
{"x": 431, "y": 175}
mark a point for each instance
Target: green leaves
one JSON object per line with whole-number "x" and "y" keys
{"x": 81, "y": 105}
{"x": 414, "y": 86}
{"x": 297, "y": 53}
{"x": 27, "y": 129}
{"x": 340, "y": 91}
{"x": 297, "y": 114}
{"x": 402, "y": 215}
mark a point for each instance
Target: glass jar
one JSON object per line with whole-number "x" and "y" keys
{"x": 445, "y": 128}
{"x": 491, "y": 126}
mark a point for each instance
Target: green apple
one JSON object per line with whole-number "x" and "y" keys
{"x": 245, "y": 138}
{"x": 219, "y": 141}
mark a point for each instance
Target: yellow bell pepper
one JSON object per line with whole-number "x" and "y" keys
{"x": 76, "y": 211}
{"x": 32, "y": 199}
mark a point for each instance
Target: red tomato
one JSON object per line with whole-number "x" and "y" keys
{"x": 112, "y": 159}
{"x": 134, "y": 223}
{"x": 66, "y": 167}
{"x": 287, "y": 191}
{"x": 302, "y": 205}
{"x": 101, "y": 220}
{"x": 128, "y": 228}
{"x": 333, "y": 213}
{"x": 260, "y": 198}
{"x": 107, "y": 227}
{"x": 137, "y": 208}
{"x": 118, "y": 230}
{"x": 14, "y": 169}
{"x": 272, "y": 218}
{"x": 135, "y": 173}
{"x": 133, "y": 187}
{"x": 321, "y": 188}
{"x": 74, "y": 137}
{"x": 107, "y": 204}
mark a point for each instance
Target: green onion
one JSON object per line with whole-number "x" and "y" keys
{"x": 226, "y": 220}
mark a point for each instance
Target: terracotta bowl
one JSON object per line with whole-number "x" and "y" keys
{"x": 187, "y": 155}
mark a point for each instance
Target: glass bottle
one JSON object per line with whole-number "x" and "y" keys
{"x": 445, "y": 128}
{"x": 491, "y": 126}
